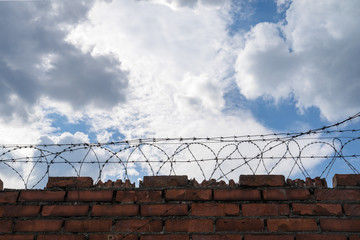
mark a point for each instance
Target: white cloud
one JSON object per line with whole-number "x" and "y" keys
{"x": 178, "y": 62}
{"x": 313, "y": 55}
{"x": 180, "y": 4}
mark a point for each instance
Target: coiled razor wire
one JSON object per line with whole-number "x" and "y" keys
{"x": 211, "y": 157}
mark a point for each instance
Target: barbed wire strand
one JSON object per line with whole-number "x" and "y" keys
{"x": 165, "y": 212}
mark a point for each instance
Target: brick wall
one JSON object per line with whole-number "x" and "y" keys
{"x": 258, "y": 207}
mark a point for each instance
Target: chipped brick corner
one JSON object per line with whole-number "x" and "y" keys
{"x": 175, "y": 207}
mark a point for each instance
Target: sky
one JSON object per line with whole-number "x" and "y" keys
{"x": 102, "y": 70}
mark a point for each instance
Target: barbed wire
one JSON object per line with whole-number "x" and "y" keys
{"x": 205, "y": 157}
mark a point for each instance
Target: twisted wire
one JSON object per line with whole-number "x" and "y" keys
{"x": 214, "y": 157}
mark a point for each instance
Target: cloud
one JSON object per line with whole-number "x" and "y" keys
{"x": 36, "y": 62}
{"x": 313, "y": 56}
{"x": 177, "y": 63}
{"x": 193, "y": 4}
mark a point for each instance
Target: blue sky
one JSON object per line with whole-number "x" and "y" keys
{"x": 100, "y": 71}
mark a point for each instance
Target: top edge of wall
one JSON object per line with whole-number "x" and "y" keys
{"x": 245, "y": 181}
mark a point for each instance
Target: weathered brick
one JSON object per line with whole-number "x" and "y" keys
{"x": 237, "y": 194}
{"x": 164, "y": 210}
{"x": 286, "y": 194}
{"x": 269, "y": 237}
{"x": 265, "y": 209}
{"x": 38, "y": 225}
{"x": 164, "y": 237}
{"x": 69, "y": 182}
{"x": 337, "y": 194}
{"x": 236, "y": 225}
{"x": 340, "y": 225}
{"x": 138, "y": 225}
{"x": 189, "y": 225}
{"x": 19, "y": 211}
{"x": 164, "y": 181}
{"x": 138, "y": 196}
{"x": 8, "y": 197}
{"x": 5, "y": 226}
{"x": 215, "y": 209}
{"x": 16, "y": 237}
{"x": 188, "y": 194}
{"x": 217, "y": 237}
{"x": 262, "y": 180}
{"x": 115, "y": 210}
{"x": 41, "y": 196}
{"x": 61, "y": 237}
{"x": 354, "y": 237}
{"x": 112, "y": 237}
{"x": 88, "y": 225}
{"x": 316, "y": 182}
{"x": 316, "y": 209}
{"x": 344, "y": 180}
{"x": 320, "y": 237}
{"x": 352, "y": 209}
{"x": 291, "y": 225}
{"x": 90, "y": 196}
{"x": 65, "y": 210}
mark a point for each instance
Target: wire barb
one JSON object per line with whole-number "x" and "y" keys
{"x": 209, "y": 157}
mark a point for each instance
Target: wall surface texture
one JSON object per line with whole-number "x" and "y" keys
{"x": 173, "y": 207}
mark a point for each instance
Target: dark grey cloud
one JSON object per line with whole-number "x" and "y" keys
{"x": 36, "y": 61}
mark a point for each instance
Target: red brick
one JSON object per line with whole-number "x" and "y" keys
{"x": 354, "y": 237}
{"x": 127, "y": 196}
{"x": 316, "y": 209}
{"x": 214, "y": 209}
{"x": 164, "y": 210}
{"x": 164, "y": 237}
{"x": 262, "y": 180}
{"x": 320, "y": 237}
{"x": 41, "y": 196}
{"x": 139, "y": 196}
{"x": 236, "y": 225}
{"x": 270, "y": 209}
{"x": 60, "y": 237}
{"x": 291, "y": 225}
{"x": 112, "y": 237}
{"x": 286, "y": 194}
{"x": 38, "y": 225}
{"x": 19, "y": 211}
{"x": 316, "y": 182}
{"x": 237, "y": 194}
{"x": 115, "y": 210}
{"x": 5, "y": 226}
{"x": 164, "y": 181}
{"x": 8, "y": 197}
{"x": 65, "y": 210}
{"x": 90, "y": 196}
{"x": 189, "y": 225}
{"x": 337, "y": 194}
{"x": 217, "y": 237}
{"x": 88, "y": 225}
{"x": 340, "y": 225}
{"x": 16, "y": 237}
{"x": 69, "y": 182}
{"x": 352, "y": 209}
{"x": 343, "y": 180}
{"x": 188, "y": 194}
{"x": 269, "y": 237}
{"x": 138, "y": 225}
